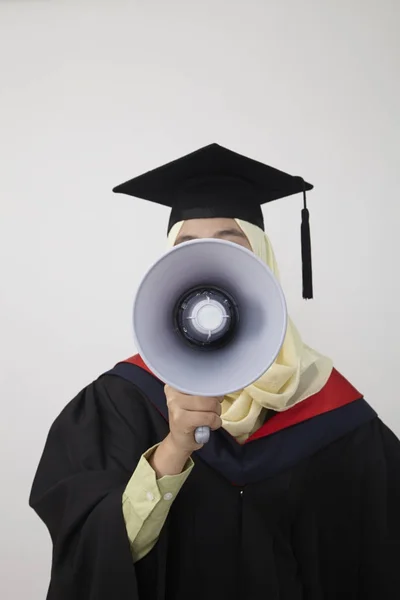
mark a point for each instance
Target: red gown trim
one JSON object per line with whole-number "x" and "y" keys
{"x": 337, "y": 392}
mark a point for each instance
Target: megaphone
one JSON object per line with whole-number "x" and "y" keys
{"x": 209, "y": 318}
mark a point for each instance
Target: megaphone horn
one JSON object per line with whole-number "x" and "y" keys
{"x": 209, "y": 318}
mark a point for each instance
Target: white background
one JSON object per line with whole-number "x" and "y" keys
{"x": 93, "y": 93}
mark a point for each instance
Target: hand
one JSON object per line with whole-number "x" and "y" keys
{"x": 186, "y": 413}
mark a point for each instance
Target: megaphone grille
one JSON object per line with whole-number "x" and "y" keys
{"x": 206, "y": 317}
{"x": 260, "y": 331}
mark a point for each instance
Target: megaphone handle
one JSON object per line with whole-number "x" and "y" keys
{"x": 202, "y": 435}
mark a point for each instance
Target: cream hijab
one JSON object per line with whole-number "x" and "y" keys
{"x": 298, "y": 372}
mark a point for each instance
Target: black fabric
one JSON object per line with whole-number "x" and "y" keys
{"x": 246, "y": 212}
{"x": 253, "y": 462}
{"x": 214, "y": 182}
{"x": 325, "y": 528}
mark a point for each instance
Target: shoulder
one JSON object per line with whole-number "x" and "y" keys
{"x": 131, "y": 379}
{"x": 111, "y": 414}
{"x": 110, "y": 398}
{"x": 360, "y": 455}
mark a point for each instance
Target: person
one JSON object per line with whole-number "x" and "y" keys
{"x": 295, "y": 496}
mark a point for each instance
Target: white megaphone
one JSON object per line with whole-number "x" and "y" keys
{"x": 209, "y": 319}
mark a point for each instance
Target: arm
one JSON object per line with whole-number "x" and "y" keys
{"x": 90, "y": 453}
{"x": 379, "y": 574}
{"x": 163, "y": 470}
{"x": 147, "y": 498}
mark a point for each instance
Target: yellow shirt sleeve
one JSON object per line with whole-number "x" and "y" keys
{"x": 146, "y": 502}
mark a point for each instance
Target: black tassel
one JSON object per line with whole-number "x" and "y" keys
{"x": 306, "y": 251}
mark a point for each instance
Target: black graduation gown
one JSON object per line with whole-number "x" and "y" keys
{"x": 307, "y": 510}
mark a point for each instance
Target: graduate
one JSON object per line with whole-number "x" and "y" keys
{"x": 295, "y": 497}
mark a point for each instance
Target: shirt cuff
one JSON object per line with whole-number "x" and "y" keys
{"x": 144, "y": 491}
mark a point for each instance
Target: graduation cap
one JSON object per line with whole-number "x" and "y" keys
{"x": 216, "y": 182}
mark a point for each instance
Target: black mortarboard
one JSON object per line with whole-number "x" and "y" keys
{"x": 216, "y": 182}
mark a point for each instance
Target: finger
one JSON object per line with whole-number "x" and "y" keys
{"x": 191, "y": 420}
{"x": 197, "y": 404}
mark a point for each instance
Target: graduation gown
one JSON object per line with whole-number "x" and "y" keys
{"x": 307, "y": 509}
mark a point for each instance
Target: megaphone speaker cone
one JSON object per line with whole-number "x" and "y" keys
{"x": 209, "y": 317}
